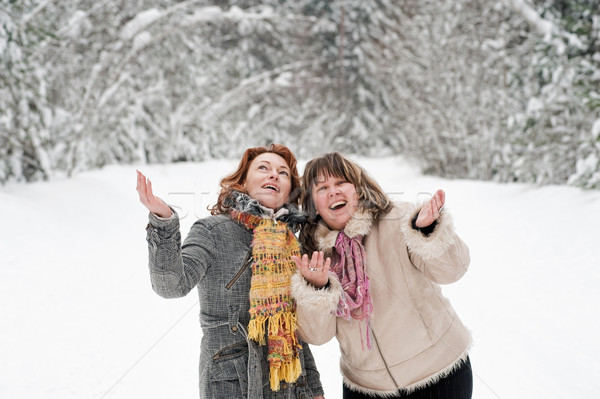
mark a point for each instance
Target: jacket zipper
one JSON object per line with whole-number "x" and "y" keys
{"x": 242, "y": 270}
{"x": 383, "y": 358}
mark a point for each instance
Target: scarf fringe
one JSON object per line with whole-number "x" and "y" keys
{"x": 276, "y": 323}
{"x": 256, "y": 329}
{"x": 284, "y": 365}
{"x": 288, "y": 373}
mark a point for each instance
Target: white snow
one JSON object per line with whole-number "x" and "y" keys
{"x": 139, "y": 22}
{"x": 530, "y": 15}
{"x": 596, "y": 128}
{"x": 80, "y": 320}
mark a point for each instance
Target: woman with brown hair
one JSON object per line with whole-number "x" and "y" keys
{"x": 372, "y": 282}
{"x": 240, "y": 259}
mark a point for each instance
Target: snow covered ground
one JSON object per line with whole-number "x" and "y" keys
{"x": 80, "y": 320}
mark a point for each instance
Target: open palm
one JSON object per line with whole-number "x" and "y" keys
{"x": 152, "y": 203}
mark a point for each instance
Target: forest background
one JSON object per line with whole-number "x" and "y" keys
{"x": 507, "y": 90}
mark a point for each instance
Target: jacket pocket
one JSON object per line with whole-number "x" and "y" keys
{"x": 247, "y": 262}
{"x": 228, "y": 374}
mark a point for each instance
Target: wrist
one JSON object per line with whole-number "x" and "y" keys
{"x": 321, "y": 286}
{"x": 164, "y": 213}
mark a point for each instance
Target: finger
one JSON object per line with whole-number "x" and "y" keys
{"x": 438, "y": 201}
{"x": 320, "y": 259}
{"x": 436, "y": 207}
{"x": 439, "y": 198}
{"x": 432, "y": 208}
{"x": 149, "y": 190}
{"x": 141, "y": 180}
{"x": 137, "y": 180}
{"x": 302, "y": 266}
{"x": 150, "y": 193}
{"x": 327, "y": 265}
{"x": 305, "y": 262}
{"x": 142, "y": 190}
{"x": 297, "y": 261}
{"x": 314, "y": 259}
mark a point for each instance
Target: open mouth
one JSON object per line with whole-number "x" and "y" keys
{"x": 271, "y": 187}
{"x": 337, "y": 205}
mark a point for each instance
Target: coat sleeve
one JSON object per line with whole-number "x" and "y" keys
{"x": 441, "y": 255}
{"x": 313, "y": 378}
{"x": 175, "y": 269}
{"x": 315, "y": 309}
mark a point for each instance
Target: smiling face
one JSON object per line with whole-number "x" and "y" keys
{"x": 268, "y": 180}
{"x": 335, "y": 200}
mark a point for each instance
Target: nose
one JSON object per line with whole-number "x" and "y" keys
{"x": 273, "y": 174}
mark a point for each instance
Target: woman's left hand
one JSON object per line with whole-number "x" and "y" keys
{"x": 431, "y": 210}
{"x": 315, "y": 270}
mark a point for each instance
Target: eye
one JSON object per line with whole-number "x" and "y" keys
{"x": 284, "y": 172}
{"x": 262, "y": 167}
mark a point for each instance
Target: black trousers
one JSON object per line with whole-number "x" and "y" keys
{"x": 456, "y": 385}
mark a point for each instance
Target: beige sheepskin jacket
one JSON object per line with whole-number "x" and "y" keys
{"x": 417, "y": 337}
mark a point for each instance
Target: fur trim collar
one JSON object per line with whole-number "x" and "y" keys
{"x": 288, "y": 214}
{"x": 359, "y": 223}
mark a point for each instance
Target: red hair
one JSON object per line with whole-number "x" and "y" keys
{"x": 235, "y": 181}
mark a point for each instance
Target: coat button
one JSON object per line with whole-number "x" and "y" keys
{"x": 234, "y": 328}
{"x": 284, "y": 386}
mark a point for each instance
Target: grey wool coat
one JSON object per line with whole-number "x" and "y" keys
{"x": 216, "y": 258}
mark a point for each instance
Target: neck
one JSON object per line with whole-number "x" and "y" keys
{"x": 359, "y": 224}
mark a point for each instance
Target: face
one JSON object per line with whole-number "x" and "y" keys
{"x": 268, "y": 180}
{"x": 336, "y": 200}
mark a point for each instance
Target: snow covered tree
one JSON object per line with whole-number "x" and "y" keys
{"x": 554, "y": 133}
{"x": 467, "y": 88}
{"x": 24, "y": 114}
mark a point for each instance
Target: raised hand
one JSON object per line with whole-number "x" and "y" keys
{"x": 315, "y": 271}
{"x": 152, "y": 203}
{"x": 431, "y": 210}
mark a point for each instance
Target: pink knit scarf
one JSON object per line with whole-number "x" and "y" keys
{"x": 349, "y": 266}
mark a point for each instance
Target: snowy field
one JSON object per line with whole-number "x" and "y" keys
{"x": 80, "y": 320}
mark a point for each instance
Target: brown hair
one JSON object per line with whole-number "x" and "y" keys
{"x": 235, "y": 181}
{"x": 371, "y": 197}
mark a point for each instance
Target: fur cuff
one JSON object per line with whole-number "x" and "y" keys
{"x": 433, "y": 245}
{"x": 306, "y": 294}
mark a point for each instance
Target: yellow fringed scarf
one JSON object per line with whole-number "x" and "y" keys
{"x": 272, "y": 308}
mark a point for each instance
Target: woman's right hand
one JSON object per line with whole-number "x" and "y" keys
{"x": 152, "y": 203}
{"x": 314, "y": 271}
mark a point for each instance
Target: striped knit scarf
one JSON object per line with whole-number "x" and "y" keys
{"x": 272, "y": 308}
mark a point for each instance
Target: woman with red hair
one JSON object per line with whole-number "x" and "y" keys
{"x": 240, "y": 259}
